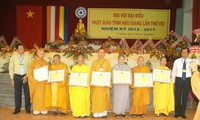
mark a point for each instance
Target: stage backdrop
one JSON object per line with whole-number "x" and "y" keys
{"x": 128, "y": 23}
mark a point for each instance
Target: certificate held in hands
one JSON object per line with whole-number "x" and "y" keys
{"x": 41, "y": 74}
{"x": 122, "y": 77}
{"x": 101, "y": 78}
{"x": 56, "y": 75}
{"x": 160, "y": 75}
{"x": 143, "y": 80}
{"x": 78, "y": 79}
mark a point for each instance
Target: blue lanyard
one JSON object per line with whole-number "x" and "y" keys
{"x": 21, "y": 60}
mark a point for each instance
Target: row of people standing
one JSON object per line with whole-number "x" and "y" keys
{"x": 45, "y": 95}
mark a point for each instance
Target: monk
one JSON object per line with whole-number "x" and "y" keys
{"x": 121, "y": 91}
{"x": 195, "y": 83}
{"x": 110, "y": 41}
{"x": 100, "y": 95}
{"x": 79, "y": 95}
{"x": 37, "y": 89}
{"x": 163, "y": 94}
{"x": 57, "y": 92}
{"x": 140, "y": 95}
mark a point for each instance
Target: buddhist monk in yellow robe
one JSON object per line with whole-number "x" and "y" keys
{"x": 37, "y": 89}
{"x": 100, "y": 95}
{"x": 57, "y": 92}
{"x": 140, "y": 95}
{"x": 110, "y": 41}
{"x": 195, "y": 83}
{"x": 80, "y": 95}
{"x": 163, "y": 93}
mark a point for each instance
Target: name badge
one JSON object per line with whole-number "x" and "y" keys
{"x": 100, "y": 69}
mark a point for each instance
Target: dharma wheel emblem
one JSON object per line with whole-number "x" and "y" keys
{"x": 80, "y": 12}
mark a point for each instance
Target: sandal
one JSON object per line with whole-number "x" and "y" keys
{"x": 124, "y": 115}
{"x": 117, "y": 116}
{"x": 134, "y": 116}
{"x": 142, "y": 115}
{"x": 157, "y": 115}
{"x": 164, "y": 114}
{"x": 84, "y": 116}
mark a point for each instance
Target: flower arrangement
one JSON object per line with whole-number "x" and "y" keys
{"x": 75, "y": 51}
{"x": 6, "y": 50}
{"x": 5, "y": 66}
{"x": 52, "y": 47}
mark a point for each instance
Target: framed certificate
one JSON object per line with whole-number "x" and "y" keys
{"x": 143, "y": 80}
{"x": 160, "y": 75}
{"x": 101, "y": 78}
{"x": 78, "y": 79}
{"x": 56, "y": 75}
{"x": 41, "y": 74}
{"x": 122, "y": 77}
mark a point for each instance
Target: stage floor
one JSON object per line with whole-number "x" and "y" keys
{"x": 6, "y": 114}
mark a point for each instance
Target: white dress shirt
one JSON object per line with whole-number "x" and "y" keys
{"x": 178, "y": 67}
{"x": 17, "y": 62}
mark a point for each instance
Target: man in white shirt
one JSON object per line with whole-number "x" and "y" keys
{"x": 181, "y": 73}
{"x": 18, "y": 67}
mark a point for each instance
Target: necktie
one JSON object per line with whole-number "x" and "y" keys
{"x": 184, "y": 70}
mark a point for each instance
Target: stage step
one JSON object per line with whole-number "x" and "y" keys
{"x": 7, "y": 92}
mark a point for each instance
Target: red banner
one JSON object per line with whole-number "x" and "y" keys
{"x": 29, "y": 25}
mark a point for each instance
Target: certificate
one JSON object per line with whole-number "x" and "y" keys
{"x": 122, "y": 77}
{"x": 41, "y": 74}
{"x": 101, "y": 78}
{"x": 56, "y": 75}
{"x": 78, "y": 79}
{"x": 143, "y": 80}
{"x": 160, "y": 75}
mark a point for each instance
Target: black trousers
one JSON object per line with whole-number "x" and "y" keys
{"x": 182, "y": 89}
{"x": 18, "y": 93}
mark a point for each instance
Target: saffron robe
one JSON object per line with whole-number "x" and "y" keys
{"x": 37, "y": 89}
{"x": 100, "y": 96}
{"x": 57, "y": 92}
{"x": 140, "y": 95}
{"x": 195, "y": 83}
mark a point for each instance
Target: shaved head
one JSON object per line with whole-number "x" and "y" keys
{"x": 140, "y": 60}
{"x": 80, "y": 59}
{"x": 40, "y": 53}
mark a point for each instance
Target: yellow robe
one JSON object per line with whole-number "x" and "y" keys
{"x": 37, "y": 89}
{"x": 195, "y": 83}
{"x": 163, "y": 94}
{"x": 100, "y": 95}
{"x": 80, "y": 96}
{"x": 57, "y": 93}
{"x": 140, "y": 95}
